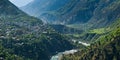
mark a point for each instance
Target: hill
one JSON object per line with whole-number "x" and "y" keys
{"x": 23, "y": 37}
{"x": 105, "y": 48}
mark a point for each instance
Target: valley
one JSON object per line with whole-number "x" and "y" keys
{"x": 60, "y": 30}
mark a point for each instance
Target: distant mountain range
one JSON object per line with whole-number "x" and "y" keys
{"x": 38, "y": 7}
{"x": 95, "y": 13}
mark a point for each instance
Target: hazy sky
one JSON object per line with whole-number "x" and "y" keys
{"x": 20, "y": 3}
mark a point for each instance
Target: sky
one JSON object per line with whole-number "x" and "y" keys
{"x": 20, "y": 3}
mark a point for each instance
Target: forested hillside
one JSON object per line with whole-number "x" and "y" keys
{"x": 91, "y": 28}
{"x": 106, "y": 47}
{"x": 23, "y": 37}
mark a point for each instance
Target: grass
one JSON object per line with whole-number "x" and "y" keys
{"x": 100, "y": 30}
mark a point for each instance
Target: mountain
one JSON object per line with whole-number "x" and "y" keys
{"x": 90, "y": 13}
{"x": 41, "y": 6}
{"x": 107, "y": 47}
{"x": 106, "y": 43}
{"x": 23, "y": 37}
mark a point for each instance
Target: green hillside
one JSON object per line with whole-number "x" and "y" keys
{"x": 23, "y": 37}
{"x": 60, "y": 26}
{"x": 106, "y": 47}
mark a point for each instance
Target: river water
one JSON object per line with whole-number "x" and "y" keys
{"x": 59, "y": 55}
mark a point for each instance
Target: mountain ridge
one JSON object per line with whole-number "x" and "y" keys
{"x": 83, "y": 12}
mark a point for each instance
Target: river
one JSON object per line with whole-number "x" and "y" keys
{"x": 59, "y": 55}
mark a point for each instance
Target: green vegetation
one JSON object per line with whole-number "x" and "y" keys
{"x": 100, "y": 30}
{"x": 105, "y": 48}
{"x": 32, "y": 47}
{"x": 23, "y": 37}
{"x": 5, "y": 55}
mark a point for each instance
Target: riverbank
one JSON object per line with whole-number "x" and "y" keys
{"x": 59, "y": 55}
